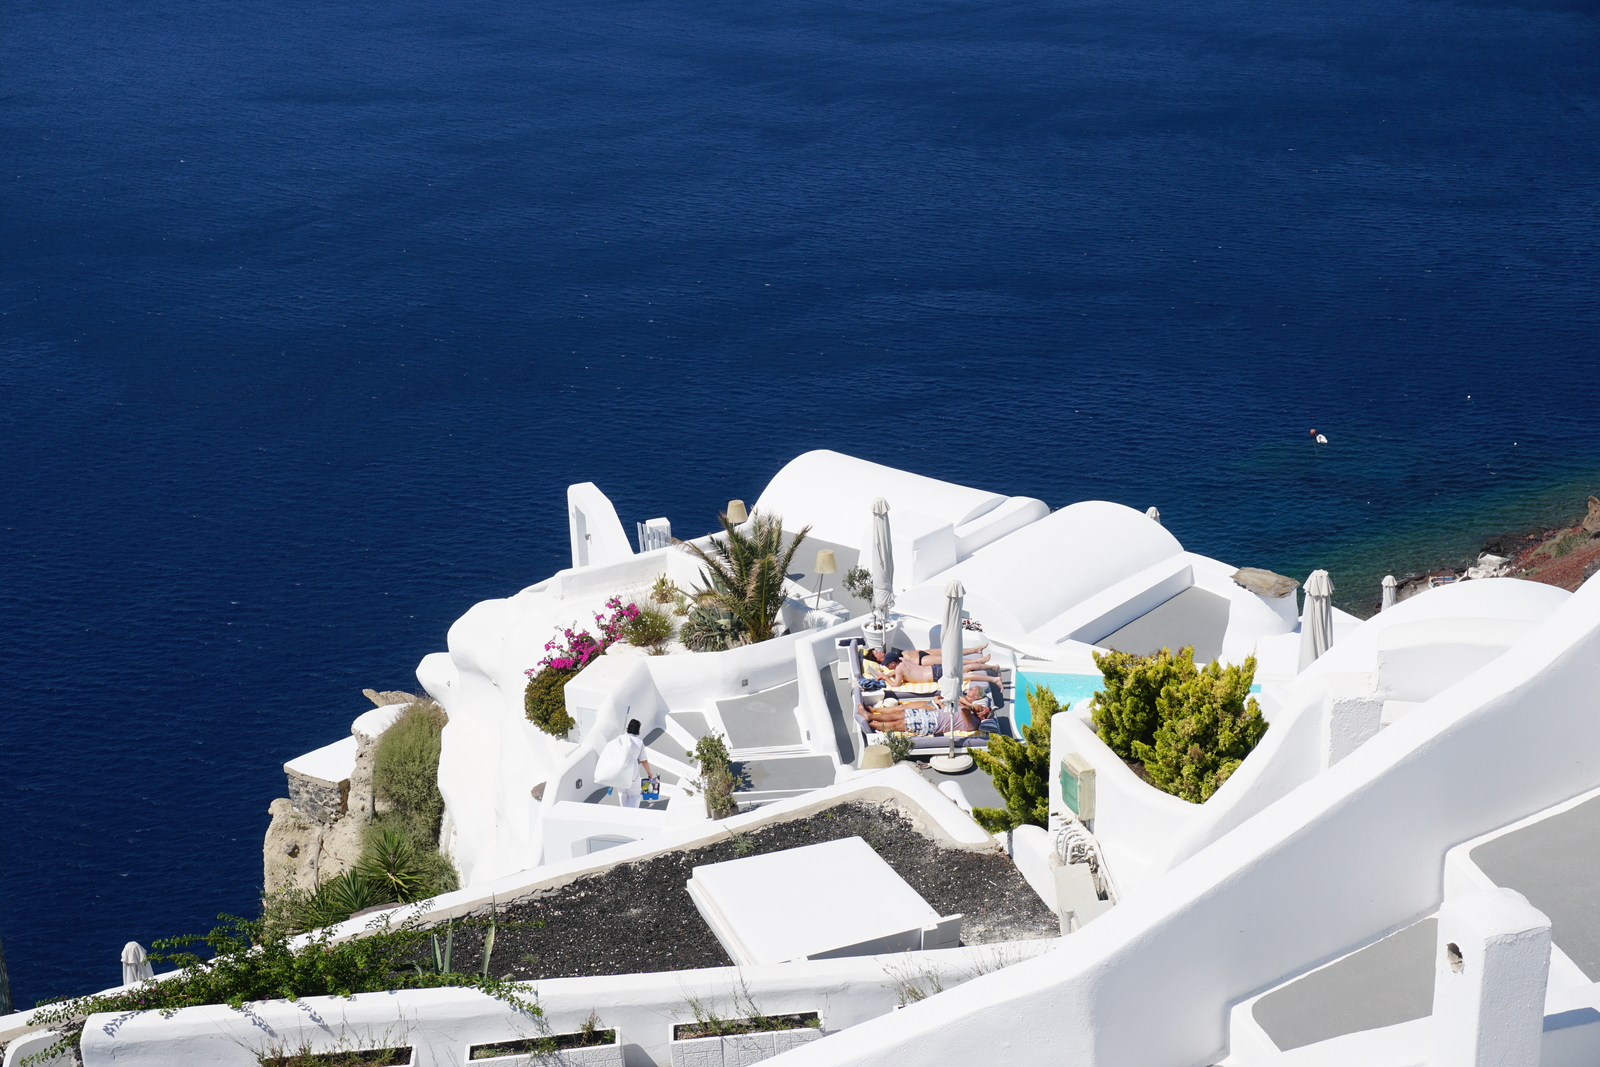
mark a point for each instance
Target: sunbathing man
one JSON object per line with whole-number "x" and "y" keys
{"x": 976, "y": 703}
{"x": 924, "y": 718}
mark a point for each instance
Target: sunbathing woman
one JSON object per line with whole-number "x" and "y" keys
{"x": 924, "y": 657}
{"x": 903, "y": 671}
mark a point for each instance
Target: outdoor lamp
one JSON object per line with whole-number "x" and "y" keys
{"x": 826, "y": 564}
{"x": 736, "y": 512}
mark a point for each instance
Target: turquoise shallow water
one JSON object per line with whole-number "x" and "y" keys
{"x": 309, "y": 313}
{"x": 1068, "y": 690}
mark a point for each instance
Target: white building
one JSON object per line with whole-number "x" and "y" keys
{"x": 1404, "y": 872}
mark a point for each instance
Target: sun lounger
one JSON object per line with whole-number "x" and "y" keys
{"x": 852, "y": 647}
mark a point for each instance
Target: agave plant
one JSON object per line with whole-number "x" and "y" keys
{"x": 390, "y": 862}
{"x": 743, "y": 577}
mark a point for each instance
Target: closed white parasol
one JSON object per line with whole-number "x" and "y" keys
{"x": 951, "y": 645}
{"x": 1316, "y": 624}
{"x": 135, "y": 965}
{"x": 882, "y": 569}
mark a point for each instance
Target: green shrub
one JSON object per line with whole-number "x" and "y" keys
{"x": 545, "y": 701}
{"x": 389, "y": 861}
{"x": 255, "y": 960}
{"x": 717, "y": 779}
{"x": 651, "y": 628}
{"x": 1191, "y": 727}
{"x": 1124, "y": 709}
{"x": 405, "y": 768}
{"x": 1020, "y": 770}
{"x": 400, "y": 859}
{"x": 899, "y": 745}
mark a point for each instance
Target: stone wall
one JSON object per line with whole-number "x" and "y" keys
{"x": 317, "y": 832}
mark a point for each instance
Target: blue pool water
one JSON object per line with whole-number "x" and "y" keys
{"x": 309, "y": 313}
{"x": 1068, "y": 690}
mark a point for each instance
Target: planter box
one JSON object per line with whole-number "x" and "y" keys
{"x": 587, "y": 1056}
{"x": 740, "y": 1049}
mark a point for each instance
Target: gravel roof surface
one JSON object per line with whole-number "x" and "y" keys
{"x": 639, "y": 917}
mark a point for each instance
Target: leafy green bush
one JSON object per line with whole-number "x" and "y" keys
{"x": 334, "y": 901}
{"x": 545, "y": 701}
{"x": 1191, "y": 727}
{"x": 1020, "y": 770}
{"x": 1124, "y": 709}
{"x": 405, "y": 768}
{"x": 255, "y": 960}
{"x": 717, "y": 779}
{"x": 400, "y": 860}
{"x": 651, "y": 628}
{"x": 389, "y": 861}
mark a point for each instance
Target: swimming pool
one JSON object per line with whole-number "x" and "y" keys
{"x": 1068, "y": 688}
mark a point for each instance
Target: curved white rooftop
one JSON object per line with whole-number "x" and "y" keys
{"x": 833, "y": 494}
{"x": 1031, "y": 576}
{"x": 1488, "y": 611}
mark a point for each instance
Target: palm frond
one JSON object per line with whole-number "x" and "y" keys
{"x": 744, "y": 571}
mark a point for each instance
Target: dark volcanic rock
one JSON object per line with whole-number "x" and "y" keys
{"x": 639, "y": 917}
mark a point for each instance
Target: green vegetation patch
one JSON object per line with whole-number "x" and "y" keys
{"x": 1020, "y": 769}
{"x": 545, "y": 700}
{"x": 1190, "y": 727}
{"x": 253, "y": 960}
{"x": 400, "y": 861}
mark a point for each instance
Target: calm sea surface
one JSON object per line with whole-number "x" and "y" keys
{"x": 310, "y": 310}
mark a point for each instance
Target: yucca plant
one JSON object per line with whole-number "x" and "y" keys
{"x": 744, "y": 573}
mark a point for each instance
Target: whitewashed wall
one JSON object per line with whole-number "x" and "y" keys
{"x": 1354, "y": 852}
{"x": 440, "y": 1024}
{"x": 1461, "y": 626}
{"x": 1135, "y": 822}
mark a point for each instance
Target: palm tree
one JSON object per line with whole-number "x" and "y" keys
{"x": 744, "y": 573}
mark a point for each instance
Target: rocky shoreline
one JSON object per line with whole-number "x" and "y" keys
{"x": 1564, "y": 556}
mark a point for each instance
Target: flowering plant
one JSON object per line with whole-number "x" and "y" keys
{"x": 574, "y": 648}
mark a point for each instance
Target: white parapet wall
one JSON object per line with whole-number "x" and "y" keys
{"x": 440, "y": 1025}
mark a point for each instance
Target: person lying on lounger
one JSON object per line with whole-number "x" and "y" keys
{"x": 924, "y": 718}
{"x": 903, "y": 671}
{"x": 979, "y": 707}
{"x": 925, "y": 657}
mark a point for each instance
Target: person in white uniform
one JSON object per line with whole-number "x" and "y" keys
{"x": 619, "y": 765}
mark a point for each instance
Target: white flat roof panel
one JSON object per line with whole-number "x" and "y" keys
{"x": 802, "y": 901}
{"x": 330, "y": 763}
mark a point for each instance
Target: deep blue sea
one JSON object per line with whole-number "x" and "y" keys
{"x": 311, "y": 309}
